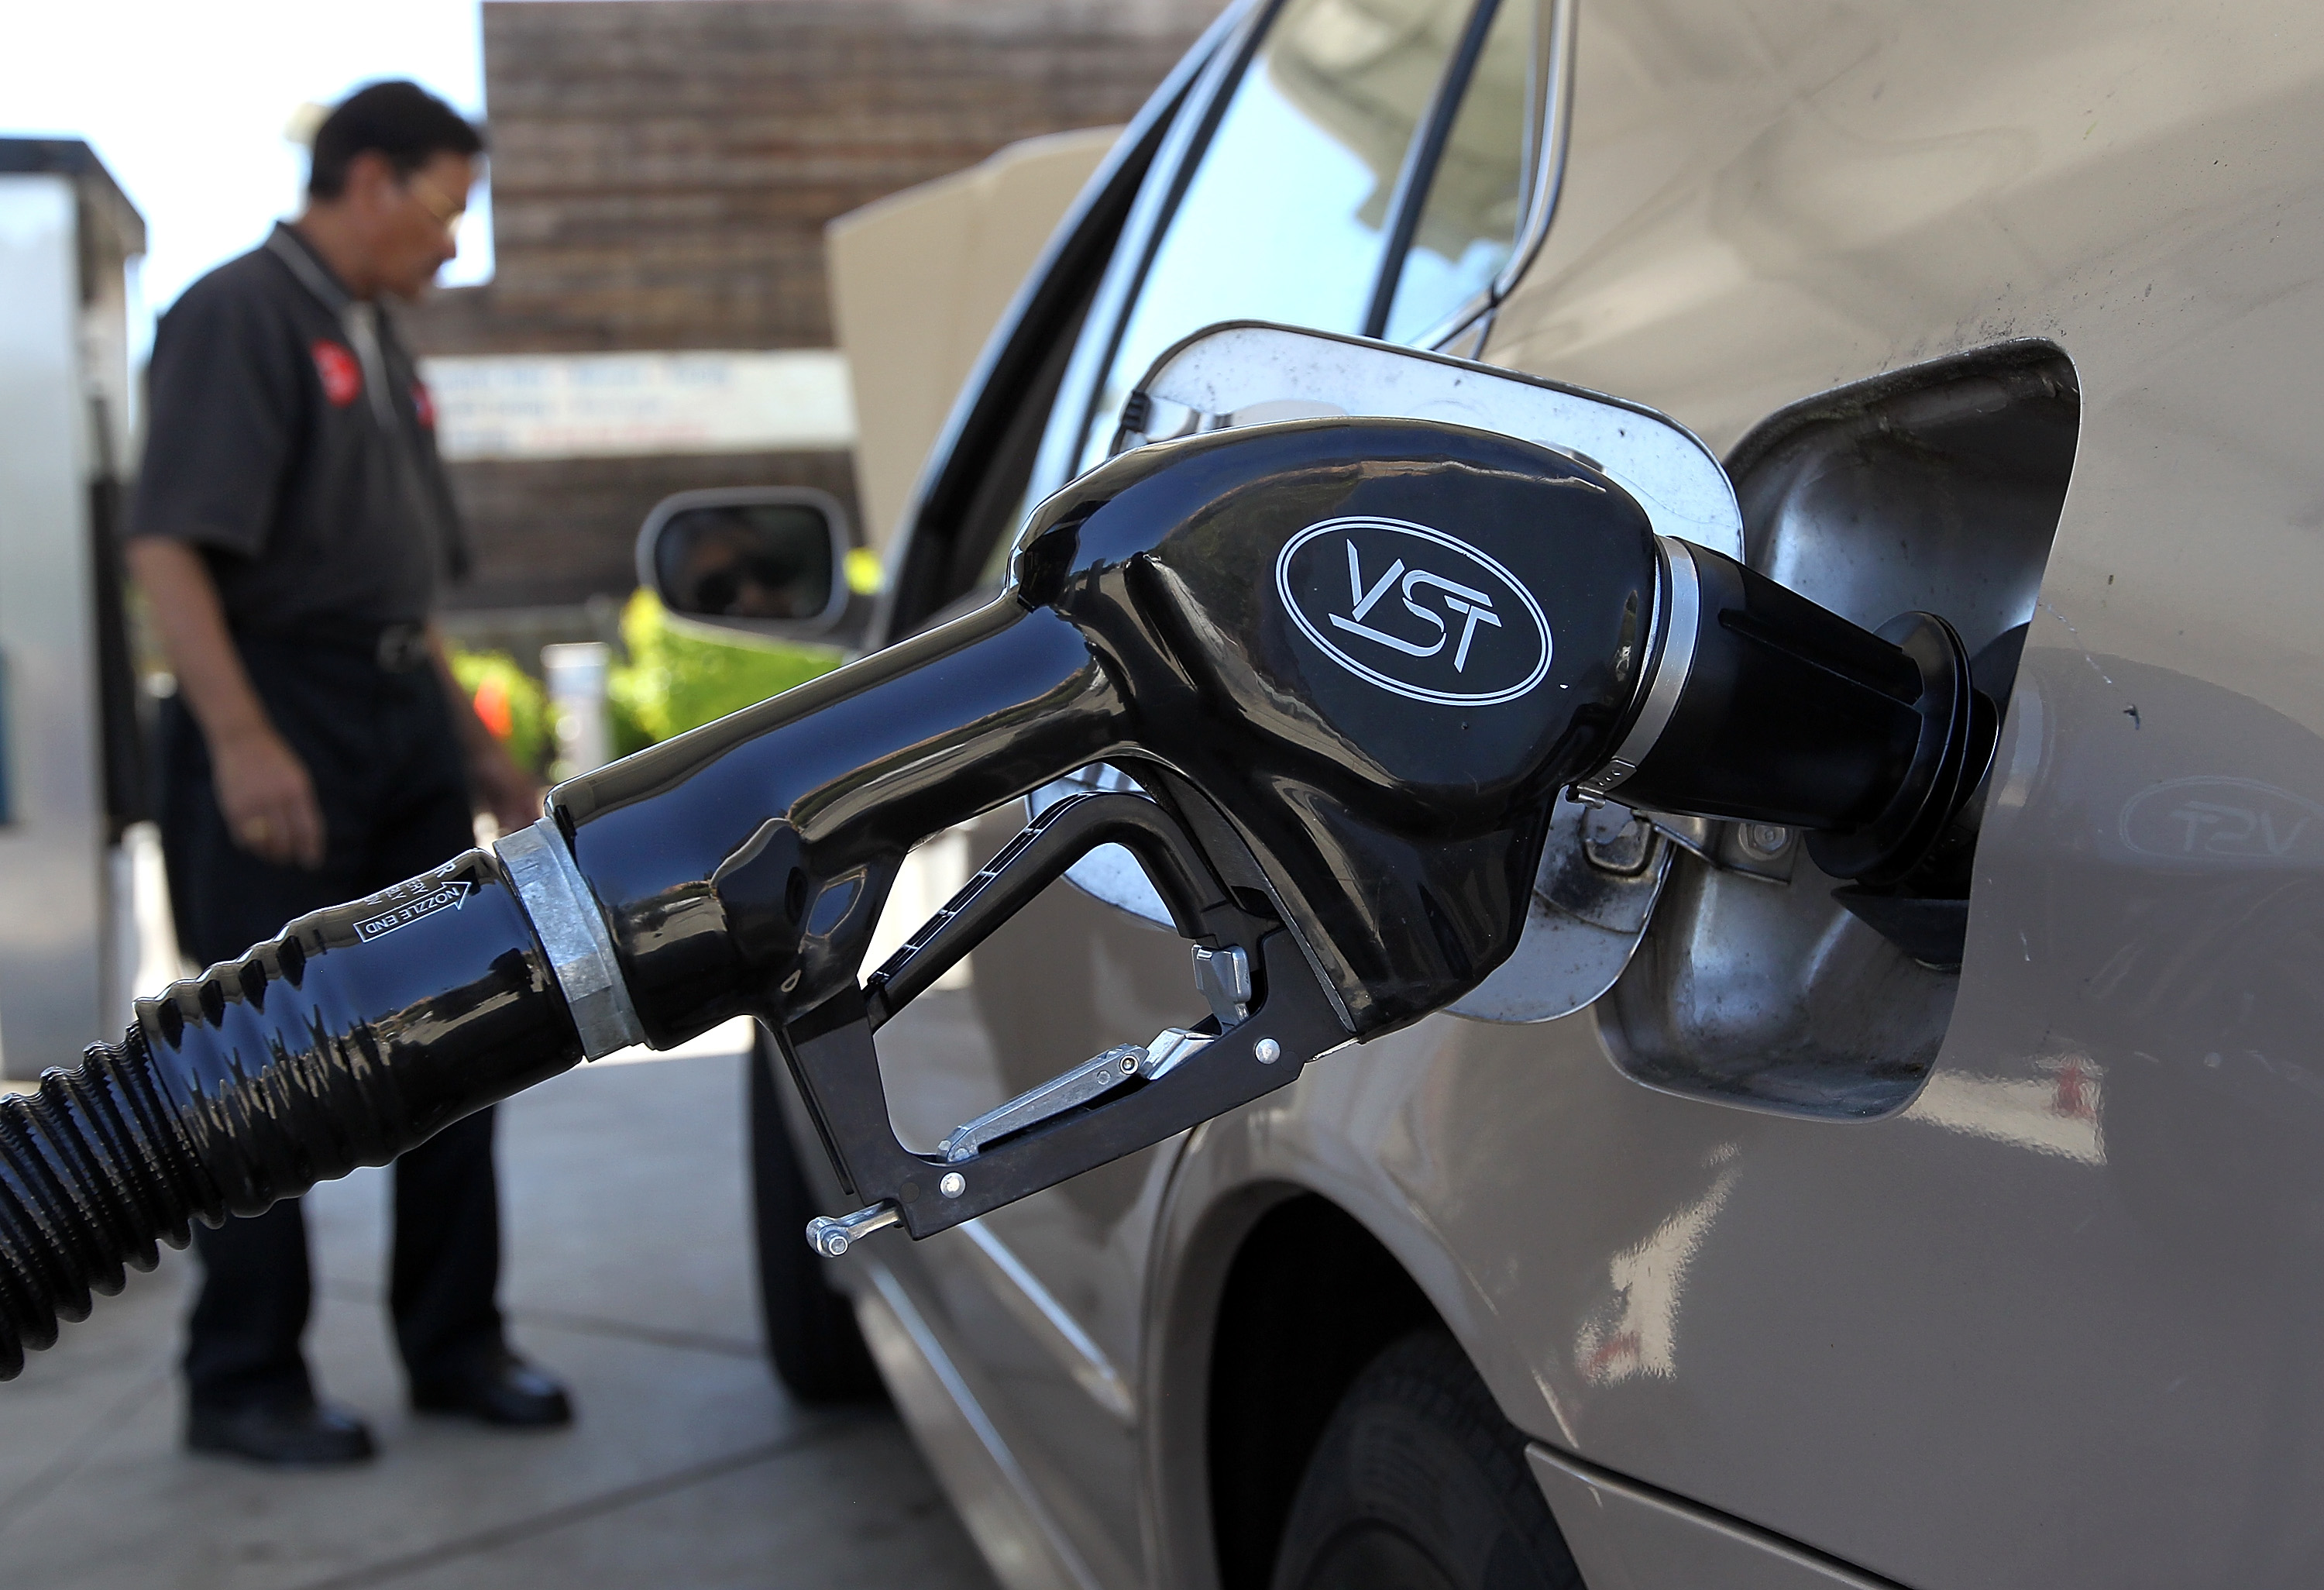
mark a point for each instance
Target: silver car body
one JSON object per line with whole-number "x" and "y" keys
{"x": 1799, "y": 1263}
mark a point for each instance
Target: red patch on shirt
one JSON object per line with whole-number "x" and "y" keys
{"x": 424, "y": 404}
{"x": 341, "y": 375}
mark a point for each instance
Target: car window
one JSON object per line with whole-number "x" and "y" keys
{"x": 1467, "y": 225}
{"x": 1287, "y": 215}
{"x": 995, "y": 459}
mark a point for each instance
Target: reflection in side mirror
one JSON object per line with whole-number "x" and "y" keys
{"x": 771, "y": 559}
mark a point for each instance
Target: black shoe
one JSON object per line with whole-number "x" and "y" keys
{"x": 283, "y": 1434}
{"x": 503, "y": 1389}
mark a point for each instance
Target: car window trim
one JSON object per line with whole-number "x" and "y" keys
{"x": 1551, "y": 125}
{"x": 1118, "y": 296}
{"x": 1424, "y": 153}
{"x": 1550, "y": 97}
{"x": 1052, "y": 293}
{"x": 1547, "y": 128}
{"x": 1171, "y": 135}
{"x": 1059, "y": 450}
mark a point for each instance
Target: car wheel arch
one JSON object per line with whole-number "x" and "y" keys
{"x": 1271, "y": 1188}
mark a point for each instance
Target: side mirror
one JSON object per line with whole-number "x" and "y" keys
{"x": 769, "y": 558}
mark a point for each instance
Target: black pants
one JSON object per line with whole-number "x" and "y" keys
{"x": 388, "y": 774}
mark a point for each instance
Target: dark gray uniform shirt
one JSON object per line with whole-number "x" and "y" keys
{"x": 288, "y": 437}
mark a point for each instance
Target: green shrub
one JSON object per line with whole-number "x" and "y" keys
{"x": 680, "y": 676}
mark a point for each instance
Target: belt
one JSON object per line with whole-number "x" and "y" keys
{"x": 401, "y": 647}
{"x": 393, "y": 648}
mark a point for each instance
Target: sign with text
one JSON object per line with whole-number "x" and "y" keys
{"x": 523, "y": 406}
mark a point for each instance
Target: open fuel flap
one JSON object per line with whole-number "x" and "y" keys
{"x": 1603, "y": 865}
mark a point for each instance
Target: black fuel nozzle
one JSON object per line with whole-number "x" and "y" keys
{"x": 1350, "y": 664}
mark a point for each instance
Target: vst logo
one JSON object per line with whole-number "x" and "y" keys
{"x": 2224, "y": 821}
{"x": 1415, "y": 611}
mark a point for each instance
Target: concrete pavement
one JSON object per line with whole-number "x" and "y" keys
{"x": 628, "y": 1272}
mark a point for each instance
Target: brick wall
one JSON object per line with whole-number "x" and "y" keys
{"x": 662, "y": 170}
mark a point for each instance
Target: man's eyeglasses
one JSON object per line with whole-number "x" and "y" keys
{"x": 445, "y": 212}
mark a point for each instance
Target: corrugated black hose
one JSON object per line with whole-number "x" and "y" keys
{"x": 357, "y": 1035}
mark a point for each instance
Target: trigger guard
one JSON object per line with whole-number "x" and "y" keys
{"x": 1291, "y": 1019}
{"x": 1201, "y": 908}
{"x": 832, "y": 1056}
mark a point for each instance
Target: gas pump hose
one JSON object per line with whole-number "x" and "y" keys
{"x": 355, "y": 1036}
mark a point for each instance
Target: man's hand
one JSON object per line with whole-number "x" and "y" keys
{"x": 267, "y": 799}
{"x": 263, "y": 788}
{"x": 508, "y": 792}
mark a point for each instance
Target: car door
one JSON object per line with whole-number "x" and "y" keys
{"x": 1354, "y": 165}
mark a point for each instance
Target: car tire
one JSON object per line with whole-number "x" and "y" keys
{"x": 812, "y": 1338}
{"x": 1419, "y": 1483}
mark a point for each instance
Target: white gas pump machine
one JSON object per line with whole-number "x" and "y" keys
{"x": 70, "y": 773}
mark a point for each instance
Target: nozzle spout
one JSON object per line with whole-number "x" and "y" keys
{"x": 1760, "y": 706}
